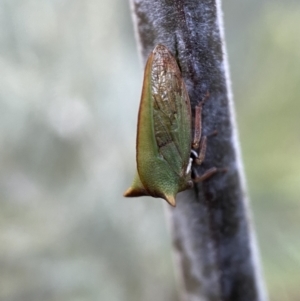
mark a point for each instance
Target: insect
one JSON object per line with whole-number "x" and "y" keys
{"x": 165, "y": 149}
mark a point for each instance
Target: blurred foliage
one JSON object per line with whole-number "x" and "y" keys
{"x": 69, "y": 93}
{"x": 265, "y": 64}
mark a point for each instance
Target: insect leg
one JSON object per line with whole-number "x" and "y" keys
{"x": 200, "y": 157}
{"x": 198, "y": 122}
{"x": 198, "y": 126}
{"x": 207, "y": 174}
{"x": 201, "y": 143}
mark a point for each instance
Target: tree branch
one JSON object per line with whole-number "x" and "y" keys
{"x": 212, "y": 234}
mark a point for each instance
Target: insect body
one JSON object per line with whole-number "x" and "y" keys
{"x": 165, "y": 149}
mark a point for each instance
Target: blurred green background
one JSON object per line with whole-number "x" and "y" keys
{"x": 69, "y": 93}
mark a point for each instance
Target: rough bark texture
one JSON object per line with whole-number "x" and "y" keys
{"x": 212, "y": 234}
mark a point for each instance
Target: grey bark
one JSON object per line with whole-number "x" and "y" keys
{"x": 213, "y": 237}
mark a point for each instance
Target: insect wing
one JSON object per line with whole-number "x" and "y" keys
{"x": 171, "y": 111}
{"x": 164, "y": 130}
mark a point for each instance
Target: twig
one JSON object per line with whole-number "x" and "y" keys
{"x": 212, "y": 232}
